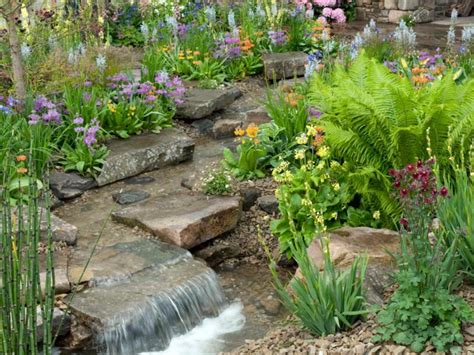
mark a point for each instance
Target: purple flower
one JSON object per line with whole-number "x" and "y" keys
{"x": 277, "y": 38}
{"x": 86, "y": 96}
{"x": 78, "y": 121}
{"x": 34, "y": 119}
{"x": 52, "y": 116}
{"x": 90, "y": 137}
{"x": 87, "y": 83}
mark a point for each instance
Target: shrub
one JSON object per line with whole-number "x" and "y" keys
{"x": 375, "y": 120}
{"x": 218, "y": 182}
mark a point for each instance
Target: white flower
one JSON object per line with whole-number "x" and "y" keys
{"x": 231, "y": 20}
{"x": 101, "y": 62}
{"x": 145, "y": 31}
{"x": 25, "y": 50}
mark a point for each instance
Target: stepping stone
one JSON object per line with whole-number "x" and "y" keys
{"x": 284, "y": 65}
{"x": 147, "y": 152}
{"x": 200, "y": 103}
{"x": 139, "y": 180}
{"x": 268, "y": 203}
{"x": 69, "y": 185}
{"x": 129, "y": 197}
{"x": 164, "y": 294}
{"x": 182, "y": 219}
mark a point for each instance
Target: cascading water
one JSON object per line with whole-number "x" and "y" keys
{"x": 152, "y": 292}
{"x": 152, "y": 325}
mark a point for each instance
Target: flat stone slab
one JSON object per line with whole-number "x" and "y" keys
{"x": 284, "y": 65}
{"x": 182, "y": 219}
{"x": 69, "y": 185}
{"x": 139, "y": 154}
{"x": 200, "y": 103}
{"x": 129, "y": 197}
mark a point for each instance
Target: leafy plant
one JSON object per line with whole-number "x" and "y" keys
{"x": 374, "y": 120}
{"x": 217, "y": 183}
{"x": 250, "y": 153}
{"x": 24, "y": 299}
{"x": 422, "y": 309}
{"x": 328, "y": 301}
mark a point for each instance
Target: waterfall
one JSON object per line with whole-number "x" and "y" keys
{"x": 151, "y": 325}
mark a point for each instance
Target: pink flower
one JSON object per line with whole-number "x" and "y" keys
{"x": 338, "y": 15}
{"x": 327, "y": 12}
{"x": 325, "y": 3}
{"x": 300, "y": 2}
{"x": 309, "y": 6}
{"x": 322, "y": 20}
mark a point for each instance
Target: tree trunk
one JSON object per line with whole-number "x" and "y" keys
{"x": 15, "y": 52}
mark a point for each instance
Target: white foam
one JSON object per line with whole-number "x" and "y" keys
{"x": 206, "y": 337}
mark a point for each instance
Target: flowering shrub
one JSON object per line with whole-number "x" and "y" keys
{"x": 134, "y": 107}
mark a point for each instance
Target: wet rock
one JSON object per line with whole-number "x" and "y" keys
{"x": 284, "y": 65}
{"x": 81, "y": 335}
{"x": 347, "y": 243}
{"x": 268, "y": 204}
{"x": 249, "y": 197}
{"x": 61, "y": 323}
{"x": 203, "y": 126}
{"x": 139, "y": 180}
{"x": 225, "y": 128}
{"x": 182, "y": 219}
{"x": 216, "y": 254}
{"x": 200, "y": 103}
{"x": 144, "y": 153}
{"x": 69, "y": 185}
{"x": 129, "y": 197}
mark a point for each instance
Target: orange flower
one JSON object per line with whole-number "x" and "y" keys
{"x": 419, "y": 79}
{"x": 292, "y": 99}
{"x": 22, "y": 170}
{"x": 196, "y": 62}
{"x": 239, "y": 132}
{"x": 438, "y": 70}
{"x": 21, "y": 158}
{"x": 418, "y": 70}
{"x": 196, "y": 53}
{"x": 252, "y": 130}
{"x": 246, "y": 45}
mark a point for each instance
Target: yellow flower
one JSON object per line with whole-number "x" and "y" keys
{"x": 336, "y": 186}
{"x": 312, "y": 131}
{"x": 303, "y": 139}
{"x": 323, "y": 151}
{"x": 404, "y": 63}
{"x": 252, "y": 130}
{"x": 299, "y": 154}
{"x": 457, "y": 74}
{"x": 376, "y": 215}
{"x": 132, "y": 108}
{"x": 239, "y": 132}
{"x": 334, "y": 215}
{"x": 111, "y": 108}
{"x": 321, "y": 165}
{"x": 189, "y": 57}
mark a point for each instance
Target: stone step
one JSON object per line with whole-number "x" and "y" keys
{"x": 279, "y": 66}
{"x": 139, "y": 154}
{"x": 183, "y": 219}
{"x": 199, "y": 103}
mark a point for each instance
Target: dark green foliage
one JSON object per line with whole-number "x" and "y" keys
{"x": 375, "y": 120}
{"x": 328, "y": 301}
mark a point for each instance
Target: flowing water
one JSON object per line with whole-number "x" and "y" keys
{"x": 151, "y": 326}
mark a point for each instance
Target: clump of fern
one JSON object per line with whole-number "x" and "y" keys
{"x": 375, "y": 120}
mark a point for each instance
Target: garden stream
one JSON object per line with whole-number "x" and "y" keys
{"x": 150, "y": 297}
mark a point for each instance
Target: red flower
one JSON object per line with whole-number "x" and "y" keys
{"x": 444, "y": 191}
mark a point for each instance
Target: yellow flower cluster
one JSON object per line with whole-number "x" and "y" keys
{"x": 112, "y": 108}
{"x": 251, "y": 131}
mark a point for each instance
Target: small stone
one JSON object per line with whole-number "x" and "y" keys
{"x": 249, "y": 197}
{"x": 69, "y": 185}
{"x": 139, "y": 180}
{"x": 375, "y": 350}
{"x": 268, "y": 204}
{"x": 203, "y": 126}
{"x": 225, "y": 128}
{"x": 129, "y": 197}
{"x": 216, "y": 254}
{"x": 359, "y": 349}
{"x": 271, "y": 305}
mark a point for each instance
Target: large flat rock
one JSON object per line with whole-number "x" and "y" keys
{"x": 284, "y": 65}
{"x": 200, "y": 103}
{"x": 182, "y": 219}
{"x": 144, "y": 153}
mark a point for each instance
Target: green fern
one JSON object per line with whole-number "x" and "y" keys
{"x": 375, "y": 120}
